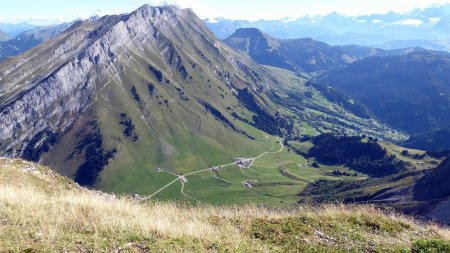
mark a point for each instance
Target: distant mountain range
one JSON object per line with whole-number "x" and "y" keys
{"x": 25, "y": 40}
{"x": 4, "y": 36}
{"x": 425, "y": 28}
{"x": 14, "y": 29}
{"x": 428, "y": 28}
{"x": 410, "y": 92}
{"x": 303, "y": 55}
{"x": 298, "y": 55}
{"x": 406, "y": 88}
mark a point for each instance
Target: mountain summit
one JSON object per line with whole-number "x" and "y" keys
{"x": 299, "y": 55}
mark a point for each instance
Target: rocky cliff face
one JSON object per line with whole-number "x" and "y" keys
{"x": 34, "y": 100}
{"x": 129, "y": 92}
{"x": 49, "y": 87}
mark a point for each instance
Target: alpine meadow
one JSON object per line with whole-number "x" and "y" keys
{"x": 169, "y": 129}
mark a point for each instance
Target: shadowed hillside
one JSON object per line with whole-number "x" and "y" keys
{"x": 409, "y": 92}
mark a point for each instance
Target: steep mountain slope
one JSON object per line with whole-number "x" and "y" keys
{"x": 110, "y": 99}
{"x": 434, "y": 185}
{"x": 44, "y": 212}
{"x": 410, "y": 92}
{"x": 434, "y": 188}
{"x": 29, "y": 39}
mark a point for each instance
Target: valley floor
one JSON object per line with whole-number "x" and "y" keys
{"x": 274, "y": 177}
{"x": 241, "y": 163}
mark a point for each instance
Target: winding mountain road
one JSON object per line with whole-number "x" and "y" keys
{"x": 181, "y": 178}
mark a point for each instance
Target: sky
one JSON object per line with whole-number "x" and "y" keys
{"x": 57, "y": 11}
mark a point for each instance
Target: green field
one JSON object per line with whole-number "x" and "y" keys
{"x": 277, "y": 176}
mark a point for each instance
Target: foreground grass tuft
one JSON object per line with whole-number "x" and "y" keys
{"x": 41, "y": 211}
{"x": 431, "y": 246}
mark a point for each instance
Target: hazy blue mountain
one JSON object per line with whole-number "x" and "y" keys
{"x": 29, "y": 39}
{"x": 352, "y": 38}
{"x": 430, "y": 24}
{"x": 14, "y": 29}
{"x": 436, "y": 45}
{"x": 4, "y": 36}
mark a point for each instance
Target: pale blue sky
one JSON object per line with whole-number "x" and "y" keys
{"x": 66, "y": 10}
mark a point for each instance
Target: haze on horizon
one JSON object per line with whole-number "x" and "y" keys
{"x": 42, "y": 12}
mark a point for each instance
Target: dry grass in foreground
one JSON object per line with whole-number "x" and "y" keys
{"x": 43, "y": 212}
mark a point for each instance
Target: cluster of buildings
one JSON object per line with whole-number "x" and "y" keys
{"x": 243, "y": 162}
{"x": 248, "y": 184}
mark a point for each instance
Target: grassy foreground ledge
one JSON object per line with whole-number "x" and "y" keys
{"x": 41, "y": 211}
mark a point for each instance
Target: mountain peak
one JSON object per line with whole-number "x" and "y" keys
{"x": 248, "y": 32}
{"x": 154, "y": 11}
{"x": 161, "y": 8}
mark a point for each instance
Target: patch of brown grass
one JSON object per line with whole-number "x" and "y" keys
{"x": 42, "y": 211}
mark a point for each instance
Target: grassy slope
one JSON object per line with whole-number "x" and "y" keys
{"x": 279, "y": 177}
{"x": 429, "y": 162}
{"x": 41, "y": 211}
{"x": 178, "y": 135}
{"x": 391, "y": 191}
{"x": 196, "y": 142}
